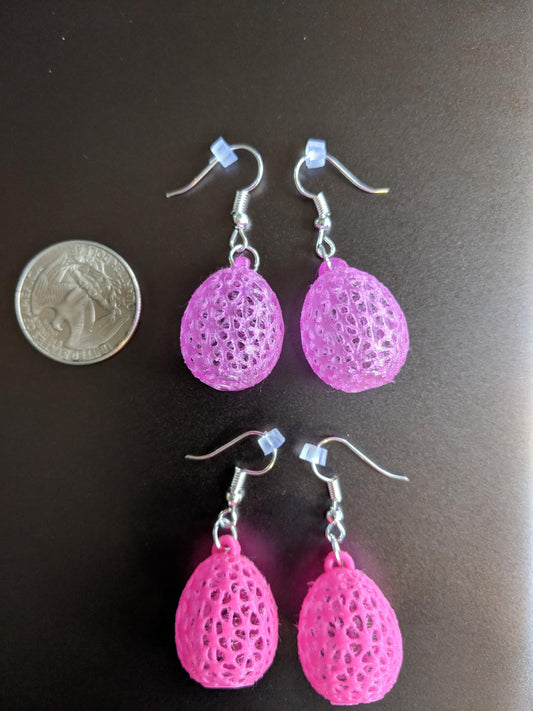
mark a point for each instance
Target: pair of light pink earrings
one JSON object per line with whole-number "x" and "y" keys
{"x": 349, "y": 641}
{"x": 354, "y": 334}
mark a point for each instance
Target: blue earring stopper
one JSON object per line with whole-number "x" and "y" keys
{"x": 223, "y": 152}
{"x": 313, "y": 454}
{"x": 271, "y": 440}
{"x": 315, "y": 153}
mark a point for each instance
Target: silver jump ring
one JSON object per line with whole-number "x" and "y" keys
{"x": 239, "y": 249}
{"x": 321, "y": 250}
{"x": 337, "y": 551}
{"x": 216, "y": 539}
{"x": 238, "y": 232}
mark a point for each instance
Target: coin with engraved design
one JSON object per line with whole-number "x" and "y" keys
{"x": 78, "y": 302}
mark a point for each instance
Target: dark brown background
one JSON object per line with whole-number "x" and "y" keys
{"x": 107, "y": 105}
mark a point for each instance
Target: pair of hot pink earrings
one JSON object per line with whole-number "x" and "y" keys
{"x": 349, "y": 641}
{"x": 354, "y": 334}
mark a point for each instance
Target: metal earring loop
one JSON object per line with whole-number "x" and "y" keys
{"x": 215, "y": 160}
{"x": 225, "y": 155}
{"x": 316, "y": 157}
{"x": 228, "y": 518}
{"x": 354, "y": 180}
{"x": 268, "y": 441}
{"x": 356, "y": 451}
{"x": 316, "y": 455}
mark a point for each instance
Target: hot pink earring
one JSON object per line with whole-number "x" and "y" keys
{"x": 354, "y": 333}
{"x": 227, "y": 619}
{"x": 232, "y": 329}
{"x": 349, "y": 641}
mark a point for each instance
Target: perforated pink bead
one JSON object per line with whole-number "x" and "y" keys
{"x": 232, "y": 329}
{"x": 349, "y": 641}
{"x": 227, "y": 620}
{"x": 354, "y": 333}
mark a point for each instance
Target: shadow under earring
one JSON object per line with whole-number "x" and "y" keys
{"x": 354, "y": 333}
{"x": 232, "y": 329}
{"x": 349, "y": 640}
{"x": 227, "y": 619}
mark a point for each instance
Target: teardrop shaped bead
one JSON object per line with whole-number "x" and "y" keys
{"x": 354, "y": 333}
{"x": 349, "y": 641}
{"x": 232, "y": 329}
{"x": 226, "y": 621}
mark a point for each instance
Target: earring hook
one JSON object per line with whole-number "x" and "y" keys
{"x": 316, "y": 157}
{"x": 225, "y": 159}
{"x": 227, "y": 519}
{"x": 317, "y": 456}
{"x": 268, "y": 441}
{"x": 225, "y": 155}
{"x": 343, "y": 170}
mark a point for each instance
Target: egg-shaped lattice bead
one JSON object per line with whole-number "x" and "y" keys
{"x": 227, "y": 620}
{"x": 354, "y": 334}
{"x": 232, "y": 329}
{"x": 349, "y": 641}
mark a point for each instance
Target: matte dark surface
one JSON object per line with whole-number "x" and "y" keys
{"x": 105, "y": 106}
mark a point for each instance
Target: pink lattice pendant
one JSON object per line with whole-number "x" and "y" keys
{"x": 354, "y": 333}
{"x": 232, "y": 329}
{"x": 349, "y": 641}
{"x": 227, "y": 620}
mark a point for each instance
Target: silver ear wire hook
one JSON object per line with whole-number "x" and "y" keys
{"x": 360, "y": 454}
{"x": 269, "y": 442}
{"x": 215, "y": 161}
{"x": 224, "y": 154}
{"x": 228, "y": 445}
{"x": 316, "y": 455}
{"x": 343, "y": 170}
{"x": 322, "y": 223}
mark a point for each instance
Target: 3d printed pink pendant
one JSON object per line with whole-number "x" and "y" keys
{"x": 227, "y": 620}
{"x": 354, "y": 333}
{"x": 349, "y": 641}
{"x": 232, "y": 329}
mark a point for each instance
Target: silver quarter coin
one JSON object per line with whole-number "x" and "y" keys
{"x": 78, "y": 302}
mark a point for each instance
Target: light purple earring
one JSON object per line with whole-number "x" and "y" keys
{"x": 354, "y": 333}
{"x": 232, "y": 329}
